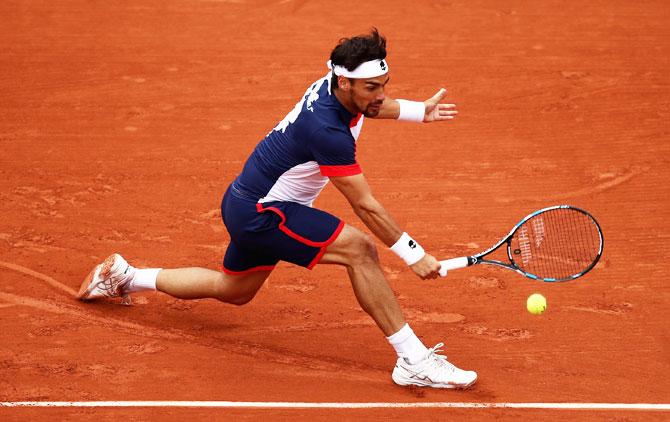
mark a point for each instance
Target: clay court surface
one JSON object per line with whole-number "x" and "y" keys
{"x": 122, "y": 123}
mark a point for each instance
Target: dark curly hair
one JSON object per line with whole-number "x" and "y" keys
{"x": 351, "y": 52}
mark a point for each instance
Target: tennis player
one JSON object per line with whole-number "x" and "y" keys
{"x": 268, "y": 211}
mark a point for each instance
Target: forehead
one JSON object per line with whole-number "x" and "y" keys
{"x": 378, "y": 80}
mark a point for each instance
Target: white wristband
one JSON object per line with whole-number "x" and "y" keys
{"x": 408, "y": 249}
{"x": 411, "y": 111}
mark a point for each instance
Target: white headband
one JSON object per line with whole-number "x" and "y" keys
{"x": 370, "y": 69}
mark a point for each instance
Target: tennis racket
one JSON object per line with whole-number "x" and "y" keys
{"x": 558, "y": 243}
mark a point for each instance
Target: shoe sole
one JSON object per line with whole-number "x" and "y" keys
{"x": 434, "y": 385}
{"x": 445, "y": 386}
{"x": 90, "y": 282}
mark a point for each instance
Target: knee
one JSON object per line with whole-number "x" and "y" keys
{"x": 239, "y": 300}
{"x": 363, "y": 250}
{"x": 234, "y": 292}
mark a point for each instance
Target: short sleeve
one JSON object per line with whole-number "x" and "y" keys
{"x": 335, "y": 152}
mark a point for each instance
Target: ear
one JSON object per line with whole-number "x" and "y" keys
{"x": 343, "y": 83}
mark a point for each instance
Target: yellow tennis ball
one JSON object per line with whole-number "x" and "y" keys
{"x": 536, "y": 304}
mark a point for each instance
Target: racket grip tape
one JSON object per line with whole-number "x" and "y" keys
{"x": 452, "y": 264}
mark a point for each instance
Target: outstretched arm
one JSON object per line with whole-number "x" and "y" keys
{"x": 434, "y": 110}
{"x": 378, "y": 220}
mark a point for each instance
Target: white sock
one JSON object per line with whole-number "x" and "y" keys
{"x": 407, "y": 345}
{"x": 144, "y": 279}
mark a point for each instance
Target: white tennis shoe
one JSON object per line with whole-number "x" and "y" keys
{"x": 108, "y": 279}
{"x": 433, "y": 371}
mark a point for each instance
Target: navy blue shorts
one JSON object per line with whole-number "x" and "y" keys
{"x": 263, "y": 234}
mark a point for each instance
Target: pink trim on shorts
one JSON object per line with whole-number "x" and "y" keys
{"x": 332, "y": 238}
{"x": 250, "y": 270}
{"x": 291, "y": 233}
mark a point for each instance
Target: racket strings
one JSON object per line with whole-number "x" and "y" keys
{"x": 557, "y": 244}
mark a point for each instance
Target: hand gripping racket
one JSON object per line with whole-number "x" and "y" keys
{"x": 558, "y": 243}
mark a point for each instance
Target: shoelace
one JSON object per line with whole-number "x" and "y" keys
{"x": 439, "y": 360}
{"x": 111, "y": 285}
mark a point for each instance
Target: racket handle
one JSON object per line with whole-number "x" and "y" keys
{"x": 452, "y": 264}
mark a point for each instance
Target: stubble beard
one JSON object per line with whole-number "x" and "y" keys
{"x": 373, "y": 109}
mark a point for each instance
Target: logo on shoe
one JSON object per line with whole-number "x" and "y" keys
{"x": 423, "y": 378}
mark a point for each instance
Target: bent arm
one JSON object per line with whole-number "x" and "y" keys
{"x": 432, "y": 109}
{"x": 367, "y": 208}
{"x": 390, "y": 109}
{"x": 379, "y": 221}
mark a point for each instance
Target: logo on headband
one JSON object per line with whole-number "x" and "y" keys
{"x": 382, "y": 64}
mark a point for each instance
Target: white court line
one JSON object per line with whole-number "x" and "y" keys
{"x": 354, "y": 405}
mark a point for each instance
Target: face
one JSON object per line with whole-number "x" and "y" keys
{"x": 367, "y": 95}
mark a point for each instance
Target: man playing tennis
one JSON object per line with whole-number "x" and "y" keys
{"x": 268, "y": 211}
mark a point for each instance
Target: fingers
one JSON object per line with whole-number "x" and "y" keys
{"x": 440, "y": 94}
{"x": 437, "y": 111}
{"x": 432, "y": 271}
{"x": 427, "y": 268}
{"x": 445, "y": 112}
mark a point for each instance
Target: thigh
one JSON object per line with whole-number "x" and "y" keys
{"x": 247, "y": 227}
{"x": 264, "y": 234}
{"x": 351, "y": 245}
{"x": 301, "y": 235}
{"x": 240, "y": 260}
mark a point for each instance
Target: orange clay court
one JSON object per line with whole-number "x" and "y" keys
{"x": 122, "y": 123}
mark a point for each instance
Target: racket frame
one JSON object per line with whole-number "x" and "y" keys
{"x": 467, "y": 261}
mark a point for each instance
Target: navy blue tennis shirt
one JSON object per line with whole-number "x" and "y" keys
{"x": 317, "y": 139}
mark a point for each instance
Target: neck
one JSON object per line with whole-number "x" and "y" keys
{"x": 345, "y": 99}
